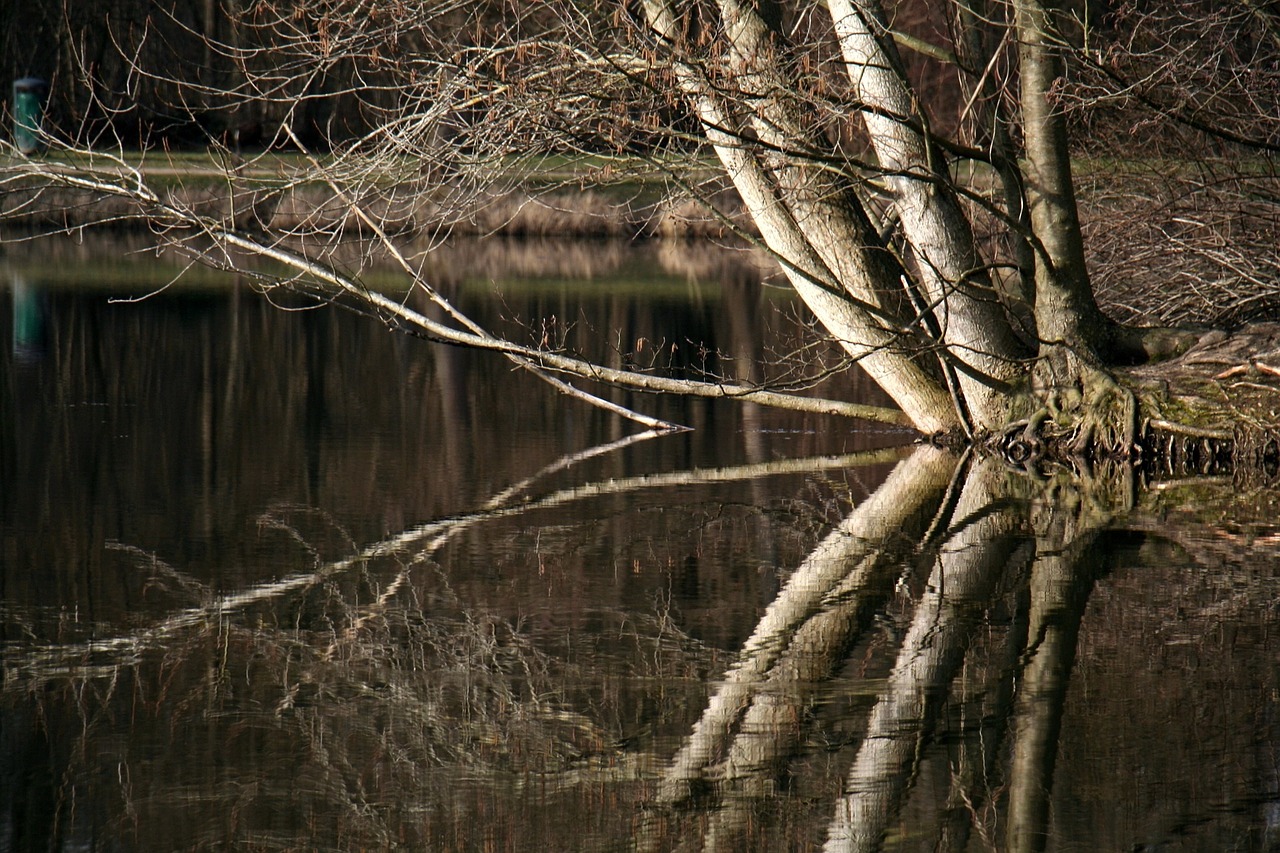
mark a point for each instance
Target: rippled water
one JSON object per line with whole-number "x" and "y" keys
{"x": 278, "y": 580}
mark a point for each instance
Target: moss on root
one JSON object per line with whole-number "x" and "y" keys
{"x": 1213, "y": 409}
{"x": 1076, "y": 413}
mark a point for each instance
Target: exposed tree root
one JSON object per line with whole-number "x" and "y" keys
{"x": 1213, "y": 410}
{"x": 1079, "y": 415}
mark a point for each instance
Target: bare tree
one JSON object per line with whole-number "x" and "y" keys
{"x": 953, "y": 267}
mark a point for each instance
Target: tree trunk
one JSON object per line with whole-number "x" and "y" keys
{"x": 952, "y": 275}
{"x": 1066, "y": 311}
{"x": 979, "y": 59}
{"x": 793, "y": 225}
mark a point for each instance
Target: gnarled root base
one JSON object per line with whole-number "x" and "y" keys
{"x": 1079, "y": 415}
{"x": 1215, "y": 410}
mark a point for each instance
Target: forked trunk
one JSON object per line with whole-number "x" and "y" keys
{"x": 951, "y": 273}
{"x": 826, "y": 252}
{"x": 815, "y": 223}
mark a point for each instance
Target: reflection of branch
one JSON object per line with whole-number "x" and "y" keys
{"x": 498, "y": 501}
{"x": 839, "y": 571}
{"x": 102, "y": 656}
{"x": 191, "y": 588}
{"x": 966, "y": 571}
{"x": 567, "y": 461}
{"x": 772, "y": 726}
{"x": 498, "y": 506}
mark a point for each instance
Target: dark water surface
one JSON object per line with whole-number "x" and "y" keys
{"x": 283, "y": 580}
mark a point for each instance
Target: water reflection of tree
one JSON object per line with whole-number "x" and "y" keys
{"x": 404, "y": 712}
{"x": 367, "y": 694}
{"x": 1011, "y": 566}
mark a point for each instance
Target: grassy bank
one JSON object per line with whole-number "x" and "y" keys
{"x": 285, "y": 193}
{"x": 131, "y": 263}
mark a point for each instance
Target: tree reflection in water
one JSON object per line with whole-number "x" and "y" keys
{"x": 1006, "y": 554}
{"x": 971, "y": 658}
{"x": 403, "y": 722}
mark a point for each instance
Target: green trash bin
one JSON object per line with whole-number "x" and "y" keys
{"x": 28, "y": 114}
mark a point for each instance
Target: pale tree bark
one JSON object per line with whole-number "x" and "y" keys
{"x": 794, "y": 222}
{"x": 824, "y": 204}
{"x": 950, "y": 271}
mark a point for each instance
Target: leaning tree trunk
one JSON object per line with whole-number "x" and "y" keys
{"x": 978, "y": 58}
{"x": 825, "y": 249}
{"x": 954, "y": 278}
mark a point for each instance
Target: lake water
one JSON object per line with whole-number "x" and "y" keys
{"x": 281, "y": 579}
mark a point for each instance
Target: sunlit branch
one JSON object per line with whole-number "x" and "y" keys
{"x": 170, "y": 216}
{"x": 439, "y": 299}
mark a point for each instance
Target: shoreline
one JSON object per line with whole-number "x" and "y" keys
{"x": 144, "y": 264}
{"x": 288, "y": 199}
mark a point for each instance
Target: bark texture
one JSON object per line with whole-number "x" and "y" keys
{"x": 828, "y": 252}
{"x": 1066, "y": 311}
{"x": 951, "y": 273}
